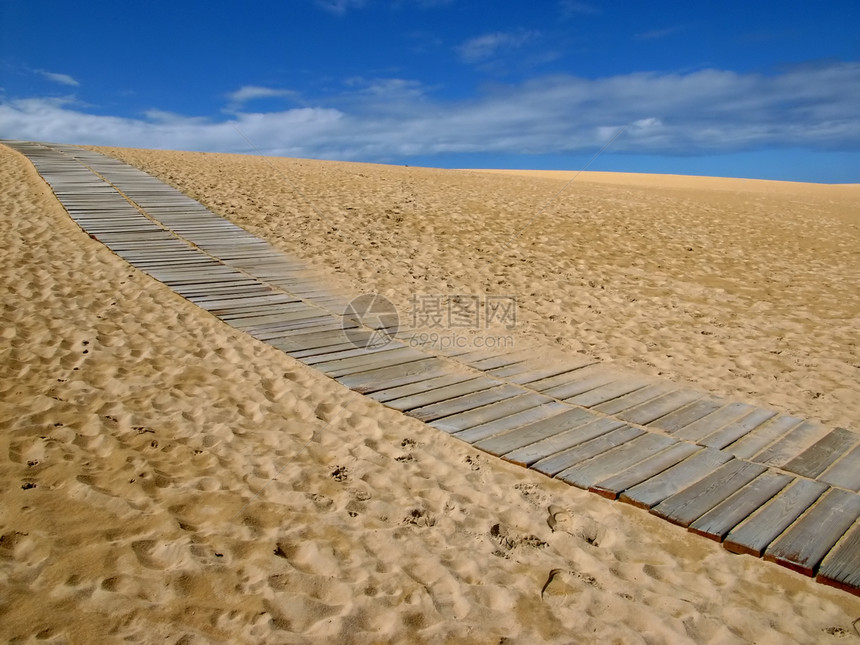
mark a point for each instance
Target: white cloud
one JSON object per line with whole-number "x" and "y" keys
{"x": 570, "y": 8}
{"x": 656, "y": 34}
{"x": 702, "y": 112}
{"x": 62, "y": 79}
{"x": 480, "y": 48}
{"x": 248, "y": 93}
{"x": 340, "y": 7}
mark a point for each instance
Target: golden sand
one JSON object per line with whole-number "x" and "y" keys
{"x": 139, "y": 436}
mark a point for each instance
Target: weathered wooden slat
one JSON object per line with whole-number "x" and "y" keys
{"x": 675, "y": 479}
{"x": 586, "y": 474}
{"x": 608, "y": 392}
{"x": 845, "y": 472}
{"x": 503, "y": 360}
{"x": 605, "y": 440}
{"x": 390, "y": 377}
{"x": 492, "y": 412}
{"x": 791, "y": 445}
{"x": 425, "y": 385}
{"x": 674, "y": 421}
{"x": 513, "y": 369}
{"x": 716, "y": 523}
{"x": 578, "y": 375}
{"x": 803, "y": 546}
{"x": 511, "y": 422}
{"x": 583, "y": 381}
{"x": 310, "y": 339}
{"x": 713, "y": 422}
{"x": 463, "y": 403}
{"x": 513, "y": 444}
{"x": 341, "y": 350}
{"x": 441, "y": 394}
{"x": 647, "y": 412}
{"x": 734, "y": 431}
{"x": 370, "y": 361}
{"x": 756, "y": 533}
{"x": 814, "y": 460}
{"x": 633, "y": 399}
{"x": 554, "y": 370}
{"x": 841, "y": 567}
{"x": 644, "y": 470}
{"x": 753, "y": 442}
{"x": 688, "y": 505}
{"x": 326, "y": 328}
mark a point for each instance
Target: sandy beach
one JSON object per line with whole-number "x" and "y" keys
{"x": 169, "y": 479}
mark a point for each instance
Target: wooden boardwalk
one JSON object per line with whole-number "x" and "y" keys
{"x": 760, "y": 482}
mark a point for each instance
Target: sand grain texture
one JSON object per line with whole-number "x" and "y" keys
{"x": 168, "y": 479}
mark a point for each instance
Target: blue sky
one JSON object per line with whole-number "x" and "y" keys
{"x": 746, "y": 89}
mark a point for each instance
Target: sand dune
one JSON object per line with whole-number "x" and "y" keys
{"x": 168, "y": 479}
{"x": 746, "y": 289}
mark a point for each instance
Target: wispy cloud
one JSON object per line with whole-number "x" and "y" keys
{"x": 481, "y": 48}
{"x": 340, "y": 7}
{"x": 62, "y": 79}
{"x": 571, "y": 8}
{"x": 656, "y": 34}
{"x": 247, "y": 93}
{"x": 701, "y": 112}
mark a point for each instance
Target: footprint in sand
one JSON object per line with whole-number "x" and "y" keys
{"x": 564, "y": 583}
{"x": 584, "y": 528}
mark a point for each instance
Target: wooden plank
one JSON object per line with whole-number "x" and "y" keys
{"x": 224, "y": 307}
{"x": 555, "y": 369}
{"x": 572, "y": 376}
{"x": 633, "y": 399}
{"x": 512, "y": 444}
{"x": 675, "y": 479}
{"x": 654, "y": 409}
{"x": 487, "y": 413}
{"x": 803, "y": 546}
{"x": 688, "y": 505}
{"x": 605, "y": 440}
{"x": 841, "y": 567}
{"x": 740, "y": 428}
{"x": 674, "y": 421}
{"x": 443, "y": 393}
{"x": 502, "y": 360}
{"x": 759, "y": 530}
{"x": 341, "y": 350}
{"x": 814, "y": 460}
{"x": 303, "y": 327}
{"x": 609, "y": 391}
{"x": 753, "y": 442}
{"x": 463, "y": 403}
{"x": 791, "y": 445}
{"x": 390, "y": 377}
{"x": 370, "y": 361}
{"x": 644, "y": 470}
{"x": 845, "y": 472}
{"x": 310, "y": 339}
{"x": 616, "y": 460}
{"x": 469, "y": 355}
{"x": 716, "y": 523}
{"x": 526, "y": 366}
{"x": 418, "y": 387}
{"x": 511, "y": 422}
{"x": 586, "y": 474}
{"x": 582, "y": 381}
{"x": 713, "y": 422}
